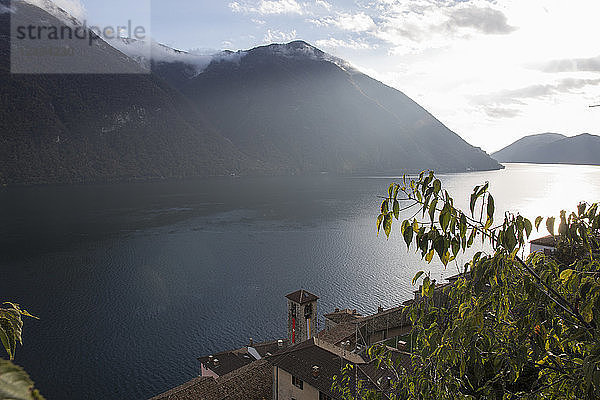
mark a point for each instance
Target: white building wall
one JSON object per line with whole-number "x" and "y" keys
{"x": 544, "y": 249}
{"x": 286, "y": 391}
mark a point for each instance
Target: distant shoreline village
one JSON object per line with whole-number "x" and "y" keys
{"x": 302, "y": 366}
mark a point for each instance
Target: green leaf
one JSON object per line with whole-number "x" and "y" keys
{"x": 562, "y": 226}
{"x": 490, "y": 207}
{"x": 550, "y": 225}
{"x": 587, "y": 311}
{"x": 408, "y": 235}
{"x": 427, "y": 288}
{"x": 437, "y": 186}
{"x": 510, "y": 239}
{"x": 566, "y": 275}
{"x": 463, "y": 225}
{"x": 444, "y": 218}
{"x": 538, "y": 221}
{"x": 396, "y": 209}
{"x": 415, "y": 226}
{"x": 15, "y": 383}
{"x": 387, "y": 225}
{"x": 384, "y": 207}
{"x": 11, "y": 328}
{"x": 379, "y": 221}
{"x": 5, "y": 342}
{"x": 483, "y": 189}
{"x": 471, "y": 238}
{"x": 417, "y": 276}
{"x": 432, "y": 209}
{"x": 528, "y": 227}
{"x": 455, "y": 247}
{"x": 429, "y": 256}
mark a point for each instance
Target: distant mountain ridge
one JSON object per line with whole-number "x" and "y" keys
{"x": 305, "y": 111}
{"x": 553, "y": 148}
{"x": 279, "y": 109}
{"x": 522, "y": 148}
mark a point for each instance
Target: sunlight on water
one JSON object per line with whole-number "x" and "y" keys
{"x": 536, "y": 190}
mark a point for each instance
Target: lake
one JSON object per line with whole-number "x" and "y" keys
{"x": 133, "y": 282}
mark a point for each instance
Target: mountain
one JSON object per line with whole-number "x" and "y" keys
{"x": 521, "y": 149}
{"x": 304, "y": 111}
{"x": 100, "y": 127}
{"x": 552, "y": 148}
{"x": 279, "y": 109}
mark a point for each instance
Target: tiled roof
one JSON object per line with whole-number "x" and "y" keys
{"x": 300, "y": 359}
{"x": 231, "y": 360}
{"x": 301, "y": 297}
{"x": 547, "y": 241}
{"x": 203, "y": 388}
{"x": 271, "y": 347}
{"x": 394, "y": 317}
{"x": 454, "y": 278}
{"x": 339, "y": 333}
{"x": 250, "y": 382}
{"x": 342, "y": 316}
{"x": 227, "y": 361}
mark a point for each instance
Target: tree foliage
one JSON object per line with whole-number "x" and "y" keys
{"x": 15, "y": 384}
{"x": 509, "y": 328}
{"x": 11, "y": 327}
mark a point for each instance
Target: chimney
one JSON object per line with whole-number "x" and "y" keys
{"x": 315, "y": 371}
{"x": 379, "y": 310}
{"x": 280, "y": 343}
{"x": 251, "y": 343}
{"x": 216, "y": 362}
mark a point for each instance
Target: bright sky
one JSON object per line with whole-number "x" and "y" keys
{"x": 492, "y": 71}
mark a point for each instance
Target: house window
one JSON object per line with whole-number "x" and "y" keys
{"x": 323, "y": 396}
{"x": 297, "y": 382}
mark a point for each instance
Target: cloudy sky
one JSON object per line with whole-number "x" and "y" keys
{"x": 492, "y": 71}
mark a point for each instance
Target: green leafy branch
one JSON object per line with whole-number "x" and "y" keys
{"x": 11, "y": 326}
{"x": 508, "y": 328}
{"x": 451, "y": 230}
{"x": 15, "y": 383}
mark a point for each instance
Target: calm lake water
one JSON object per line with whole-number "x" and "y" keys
{"x": 132, "y": 282}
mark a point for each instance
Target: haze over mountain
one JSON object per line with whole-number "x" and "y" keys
{"x": 552, "y": 148}
{"x": 305, "y": 111}
{"x": 280, "y": 109}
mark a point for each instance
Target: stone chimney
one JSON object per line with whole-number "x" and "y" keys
{"x": 316, "y": 371}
